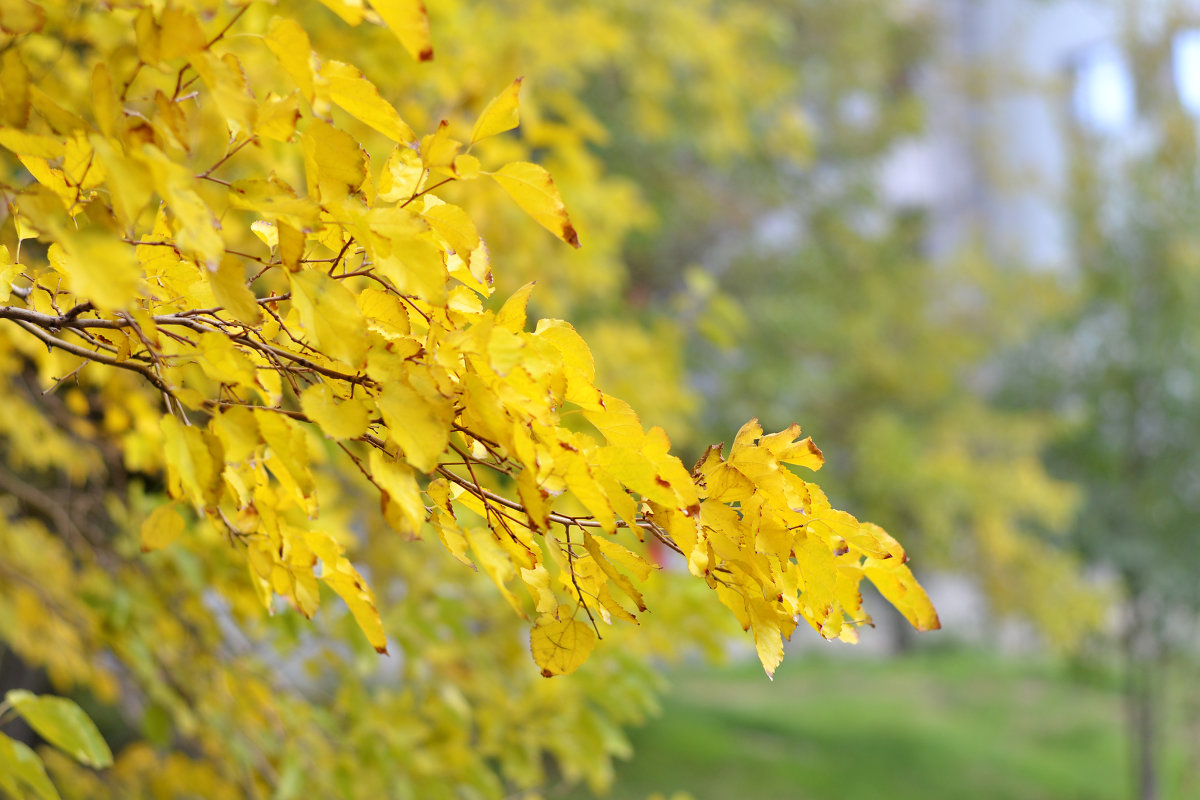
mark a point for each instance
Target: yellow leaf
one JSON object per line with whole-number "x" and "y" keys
{"x": 619, "y": 554}
{"x": 21, "y": 16}
{"x": 277, "y": 117}
{"x": 273, "y": 198}
{"x": 438, "y": 149}
{"x": 401, "y": 176}
{"x": 341, "y": 576}
{"x": 765, "y": 623}
{"x": 148, "y": 38}
{"x": 30, "y": 144}
{"x": 384, "y": 312}
{"x": 535, "y": 500}
{"x": 8, "y": 273}
{"x": 330, "y": 316}
{"x": 784, "y": 447}
{"x": 129, "y": 181}
{"x": 417, "y": 421}
{"x": 352, "y": 12}
{"x": 444, "y": 522}
{"x": 593, "y": 545}
{"x": 267, "y": 232}
{"x": 534, "y": 191}
{"x": 501, "y": 114}
{"x": 465, "y": 167}
{"x": 416, "y": 266}
{"x": 511, "y": 315}
{"x": 537, "y": 580}
{"x": 80, "y": 165}
{"x": 559, "y": 647}
{"x": 291, "y": 245}
{"x": 897, "y": 584}
{"x": 347, "y": 419}
{"x": 226, "y": 80}
{"x": 194, "y": 460}
{"x": 453, "y": 225}
{"x": 15, "y": 88}
{"x": 228, "y": 284}
{"x": 163, "y": 526}
{"x": 62, "y": 121}
{"x": 401, "y": 498}
{"x": 334, "y": 163}
{"x": 289, "y": 451}
{"x": 618, "y": 422}
{"x": 223, "y": 362}
{"x": 181, "y": 34}
{"x": 102, "y": 268}
{"x": 408, "y": 20}
{"x": 63, "y": 724}
{"x": 196, "y": 228}
{"x": 360, "y": 98}
{"x": 289, "y": 42}
{"x": 578, "y": 363}
{"x": 105, "y": 106}
{"x": 238, "y": 431}
{"x": 494, "y": 559}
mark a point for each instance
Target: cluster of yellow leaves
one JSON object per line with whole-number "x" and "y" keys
{"x": 333, "y": 306}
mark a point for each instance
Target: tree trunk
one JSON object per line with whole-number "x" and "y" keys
{"x": 1145, "y": 676}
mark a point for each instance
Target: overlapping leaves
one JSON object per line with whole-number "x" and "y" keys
{"x": 333, "y": 306}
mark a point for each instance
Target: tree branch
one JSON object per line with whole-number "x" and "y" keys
{"x": 92, "y": 355}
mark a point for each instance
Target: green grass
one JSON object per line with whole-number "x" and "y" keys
{"x": 923, "y": 727}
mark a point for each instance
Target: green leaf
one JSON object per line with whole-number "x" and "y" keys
{"x": 20, "y": 765}
{"x": 62, "y": 723}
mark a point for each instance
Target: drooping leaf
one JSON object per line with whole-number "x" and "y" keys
{"x": 290, "y": 44}
{"x": 228, "y": 284}
{"x": 21, "y": 16}
{"x": 409, "y": 21}
{"x": 163, "y": 526}
{"x": 419, "y": 421}
{"x": 330, "y": 316}
{"x": 100, "y": 267}
{"x": 359, "y": 98}
{"x": 21, "y": 770}
{"x": 560, "y": 646}
{"x": 531, "y": 186}
{"x": 401, "y": 498}
{"x": 62, "y": 723}
{"x": 339, "y": 419}
{"x": 501, "y": 114}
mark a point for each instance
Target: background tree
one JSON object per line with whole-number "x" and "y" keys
{"x": 1121, "y": 365}
{"x": 245, "y": 306}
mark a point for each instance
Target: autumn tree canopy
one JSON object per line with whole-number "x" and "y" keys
{"x": 253, "y": 358}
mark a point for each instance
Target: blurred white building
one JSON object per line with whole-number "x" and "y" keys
{"x": 1013, "y": 82}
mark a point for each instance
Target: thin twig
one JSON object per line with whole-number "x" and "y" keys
{"x": 575, "y": 583}
{"x": 92, "y": 355}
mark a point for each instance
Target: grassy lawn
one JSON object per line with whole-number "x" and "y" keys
{"x": 923, "y": 727}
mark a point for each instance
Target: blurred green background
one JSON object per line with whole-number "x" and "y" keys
{"x": 936, "y": 723}
{"x": 967, "y": 260}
